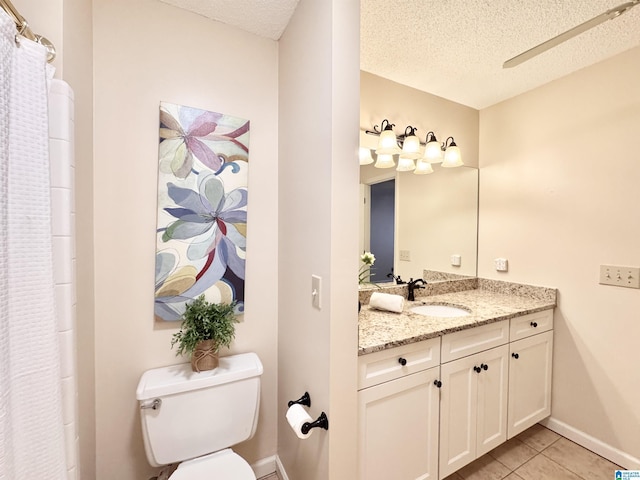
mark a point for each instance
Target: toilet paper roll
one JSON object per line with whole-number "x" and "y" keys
{"x": 297, "y": 416}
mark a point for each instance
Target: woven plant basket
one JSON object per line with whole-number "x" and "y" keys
{"x": 205, "y": 356}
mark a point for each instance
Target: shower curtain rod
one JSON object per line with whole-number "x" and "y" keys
{"x": 25, "y": 31}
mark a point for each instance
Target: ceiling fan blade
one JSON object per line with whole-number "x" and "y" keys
{"x": 563, "y": 37}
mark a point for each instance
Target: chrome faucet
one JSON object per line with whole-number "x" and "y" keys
{"x": 412, "y": 285}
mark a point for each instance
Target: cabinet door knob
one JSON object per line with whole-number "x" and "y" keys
{"x": 534, "y": 324}
{"x": 484, "y": 366}
{"x": 515, "y": 355}
{"x": 402, "y": 361}
{"x": 437, "y": 383}
{"x": 477, "y": 369}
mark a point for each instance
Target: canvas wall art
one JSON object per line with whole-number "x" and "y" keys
{"x": 203, "y": 161}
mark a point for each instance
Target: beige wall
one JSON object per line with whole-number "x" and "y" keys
{"x": 436, "y": 217}
{"x": 317, "y": 349}
{"x": 558, "y": 197}
{"x": 146, "y": 52}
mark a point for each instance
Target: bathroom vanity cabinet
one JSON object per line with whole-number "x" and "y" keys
{"x": 429, "y": 408}
{"x": 530, "y": 371}
{"x": 398, "y": 412}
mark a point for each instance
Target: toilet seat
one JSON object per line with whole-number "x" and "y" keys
{"x": 220, "y": 465}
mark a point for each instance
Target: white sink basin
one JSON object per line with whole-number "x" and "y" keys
{"x": 440, "y": 311}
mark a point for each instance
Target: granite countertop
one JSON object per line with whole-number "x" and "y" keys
{"x": 379, "y": 330}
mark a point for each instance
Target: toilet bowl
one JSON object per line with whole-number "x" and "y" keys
{"x": 225, "y": 464}
{"x": 193, "y": 418}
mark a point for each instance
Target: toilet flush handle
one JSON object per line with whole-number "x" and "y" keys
{"x": 157, "y": 402}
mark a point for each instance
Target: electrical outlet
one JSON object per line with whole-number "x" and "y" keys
{"x": 405, "y": 255}
{"x": 620, "y": 276}
{"x": 501, "y": 264}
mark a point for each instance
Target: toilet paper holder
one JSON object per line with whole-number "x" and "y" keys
{"x": 321, "y": 422}
{"x": 303, "y": 400}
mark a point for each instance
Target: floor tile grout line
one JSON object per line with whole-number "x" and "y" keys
{"x": 558, "y": 463}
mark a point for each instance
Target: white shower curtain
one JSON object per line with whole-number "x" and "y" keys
{"x": 31, "y": 426}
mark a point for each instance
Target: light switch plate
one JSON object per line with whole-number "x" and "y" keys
{"x": 620, "y": 276}
{"x": 316, "y": 291}
{"x": 405, "y": 255}
{"x": 456, "y": 260}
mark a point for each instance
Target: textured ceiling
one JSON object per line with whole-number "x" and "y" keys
{"x": 267, "y": 18}
{"x": 455, "y": 48}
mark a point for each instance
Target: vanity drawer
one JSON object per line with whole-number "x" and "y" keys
{"x": 379, "y": 367}
{"x": 473, "y": 340}
{"x": 527, "y": 325}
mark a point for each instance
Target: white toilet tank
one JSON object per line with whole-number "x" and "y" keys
{"x": 198, "y": 413}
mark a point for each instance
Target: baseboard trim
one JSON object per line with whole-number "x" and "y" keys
{"x": 264, "y": 467}
{"x": 280, "y": 469}
{"x": 587, "y": 441}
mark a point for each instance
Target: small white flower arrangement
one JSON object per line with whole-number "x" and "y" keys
{"x": 367, "y": 259}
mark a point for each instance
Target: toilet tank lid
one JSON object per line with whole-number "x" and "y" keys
{"x": 174, "y": 379}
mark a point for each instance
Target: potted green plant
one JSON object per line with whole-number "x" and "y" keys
{"x": 205, "y": 328}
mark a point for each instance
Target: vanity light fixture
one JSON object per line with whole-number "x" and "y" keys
{"x": 365, "y": 156}
{"x": 408, "y": 147}
{"x": 385, "y": 160}
{"x": 410, "y": 144}
{"x": 387, "y": 143}
{"x": 433, "y": 150}
{"x": 452, "y": 156}
{"x": 423, "y": 167}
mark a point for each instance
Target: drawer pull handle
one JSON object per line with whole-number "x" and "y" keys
{"x": 437, "y": 383}
{"x": 534, "y": 324}
{"x": 477, "y": 369}
{"x": 484, "y": 366}
{"x": 402, "y": 361}
{"x": 515, "y": 355}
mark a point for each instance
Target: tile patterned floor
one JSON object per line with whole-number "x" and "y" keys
{"x": 538, "y": 454}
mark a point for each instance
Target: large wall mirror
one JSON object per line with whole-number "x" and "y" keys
{"x": 413, "y": 223}
{"x": 427, "y": 219}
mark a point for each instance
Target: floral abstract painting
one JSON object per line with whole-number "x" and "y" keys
{"x": 202, "y": 209}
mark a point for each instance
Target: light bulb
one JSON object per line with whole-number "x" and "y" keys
{"x": 385, "y": 161}
{"x": 423, "y": 168}
{"x": 406, "y": 164}
{"x": 365, "y": 156}
{"x": 452, "y": 157}
{"x": 433, "y": 152}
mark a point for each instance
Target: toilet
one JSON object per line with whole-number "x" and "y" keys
{"x": 194, "y": 418}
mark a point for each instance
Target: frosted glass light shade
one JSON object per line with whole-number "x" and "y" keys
{"x": 452, "y": 157}
{"x": 411, "y": 148}
{"x": 365, "y": 156}
{"x": 387, "y": 144}
{"x": 385, "y": 161}
{"x": 406, "y": 164}
{"x": 423, "y": 168}
{"x": 433, "y": 152}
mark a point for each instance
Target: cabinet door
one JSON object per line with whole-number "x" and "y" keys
{"x": 398, "y": 428}
{"x": 492, "y": 399}
{"x": 458, "y": 414}
{"x": 529, "y": 381}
